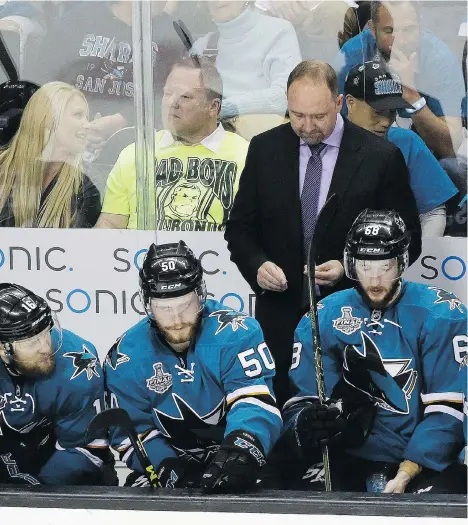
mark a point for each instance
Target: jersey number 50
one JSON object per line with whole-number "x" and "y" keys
{"x": 251, "y": 365}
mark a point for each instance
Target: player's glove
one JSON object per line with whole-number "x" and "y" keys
{"x": 136, "y": 479}
{"x": 318, "y": 424}
{"x": 236, "y": 465}
{"x": 171, "y": 472}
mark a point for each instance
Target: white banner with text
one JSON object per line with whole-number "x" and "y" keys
{"x": 90, "y": 277}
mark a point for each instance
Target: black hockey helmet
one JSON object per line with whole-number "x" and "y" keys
{"x": 171, "y": 270}
{"x": 23, "y": 314}
{"x": 375, "y": 236}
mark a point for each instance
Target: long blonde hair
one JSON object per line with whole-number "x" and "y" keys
{"x": 22, "y": 163}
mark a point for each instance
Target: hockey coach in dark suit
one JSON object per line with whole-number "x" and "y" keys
{"x": 289, "y": 173}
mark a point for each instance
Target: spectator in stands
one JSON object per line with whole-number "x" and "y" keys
{"x": 320, "y": 25}
{"x": 430, "y": 73}
{"x": 197, "y": 164}
{"x": 41, "y": 183}
{"x": 457, "y": 167}
{"x": 91, "y": 49}
{"x": 356, "y": 19}
{"x": 373, "y": 97}
{"x": 254, "y": 55}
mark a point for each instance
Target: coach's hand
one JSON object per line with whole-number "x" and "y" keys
{"x": 271, "y": 277}
{"x": 329, "y": 273}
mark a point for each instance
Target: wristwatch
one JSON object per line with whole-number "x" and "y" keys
{"x": 417, "y": 106}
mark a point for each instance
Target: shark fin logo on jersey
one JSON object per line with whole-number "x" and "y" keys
{"x": 347, "y": 323}
{"x": 320, "y": 306}
{"x": 229, "y": 318}
{"x": 388, "y": 382}
{"x": 188, "y": 429}
{"x": 161, "y": 381}
{"x": 447, "y": 297}
{"x": 84, "y": 362}
{"x": 115, "y": 357}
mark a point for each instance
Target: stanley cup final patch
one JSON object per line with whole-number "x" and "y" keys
{"x": 347, "y": 323}
{"x": 161, "y": 381}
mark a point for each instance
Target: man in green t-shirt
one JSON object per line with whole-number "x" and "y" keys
{"x": 198, "y": 163}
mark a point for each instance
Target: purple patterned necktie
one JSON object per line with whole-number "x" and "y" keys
{"x": 310, "y": 195}
{"x": 309, "y": 207}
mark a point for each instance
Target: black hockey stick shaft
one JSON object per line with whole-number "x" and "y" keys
{"x": 118, "y": 417}
{"x": 184, "y": 34}
{"x": 316, "y": 342}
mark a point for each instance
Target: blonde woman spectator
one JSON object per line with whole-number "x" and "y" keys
{"x": 41, "y": 183}
{"x": 254, "y": 54}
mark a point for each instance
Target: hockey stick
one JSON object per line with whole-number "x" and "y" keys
{"x": 118, "y": 417}
{"x": 184, "y": 34}
{"x": 319, "y": 375}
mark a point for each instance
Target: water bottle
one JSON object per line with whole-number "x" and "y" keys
{"x": 379, "y": 476}
{"x": 376, "y": 482}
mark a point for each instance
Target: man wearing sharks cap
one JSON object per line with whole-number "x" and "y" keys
{"x": 396, "y": 344}
{"x": 373, "y": 97}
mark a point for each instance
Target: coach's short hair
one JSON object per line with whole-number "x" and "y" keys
{"x": 316, "y": 71}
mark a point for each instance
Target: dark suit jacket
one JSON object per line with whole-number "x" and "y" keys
{"x": 265, "y": 221}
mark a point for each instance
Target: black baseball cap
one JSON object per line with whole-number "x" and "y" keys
{"x": 374, "y": 84}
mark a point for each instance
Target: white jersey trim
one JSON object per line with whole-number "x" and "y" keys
{"x": 257, "y": 402}
{"x": 95, "y": 460}
{"x": 130, "y": 451}
{"x": 99, "y": 443}
{"x": 442, "y": 396}
{"x": 248, "y": 390}
{"x": 444, "y": 409}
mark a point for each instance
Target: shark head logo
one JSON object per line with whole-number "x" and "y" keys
{"x": 388, "y": 382}
{"x": 115, "y": 357}
{"x": 84, "y": 362}
{"x": 447, "y": 297}
{"x": 229, "y": 318}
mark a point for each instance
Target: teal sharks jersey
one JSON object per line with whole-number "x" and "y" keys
{"x": 405, "y": 358}
{"x": 43, "y": 422}
{"x": 184, "y": 404}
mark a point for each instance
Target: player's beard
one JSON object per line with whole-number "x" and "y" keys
{"x": 41, "y": 367}
{"x": 385, "y": 300}
{"x": 181, "y": 337}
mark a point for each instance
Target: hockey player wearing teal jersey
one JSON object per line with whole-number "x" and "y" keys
{"x": 196, "y": 379}
{"x": 51, "y": 386}
{"x": 399, "y": 345}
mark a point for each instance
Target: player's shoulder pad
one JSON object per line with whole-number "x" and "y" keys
{"x": 128, "y": 347}
{"x": 437, "y": 301}
{"x": 227, "y": 324}
{"x": 77, "y": 364}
